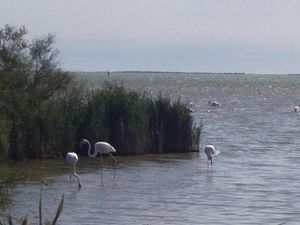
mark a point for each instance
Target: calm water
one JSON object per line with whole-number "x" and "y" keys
{"x": 255, "y": 179}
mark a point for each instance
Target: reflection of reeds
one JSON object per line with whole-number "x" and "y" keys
{"x": 24, "y": 221}
{"x": 7, "y": 181}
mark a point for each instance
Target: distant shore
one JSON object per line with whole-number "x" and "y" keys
{"x": 179, "y": 72}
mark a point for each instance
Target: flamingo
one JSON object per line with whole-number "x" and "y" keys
{"x": 72, "y": 160}
{"x": 100, "y": 148}
{"x": 211, "y": 152}
{"x": 213, "y": 103}
{"x": 189, "y": 106}
{"x": 297, "y": 109}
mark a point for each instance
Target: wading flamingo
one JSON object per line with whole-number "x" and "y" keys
{"x": 190, "y": 106}
{"x": 213, "y": 103}
{"x": 211, "y": 152}
{"x": 99, "y": 148}
{"x": 72, "y": 160}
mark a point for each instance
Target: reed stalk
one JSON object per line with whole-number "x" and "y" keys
{"x": 24, "y": 221}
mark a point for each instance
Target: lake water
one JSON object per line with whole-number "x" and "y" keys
{"x": 255, "y": 179}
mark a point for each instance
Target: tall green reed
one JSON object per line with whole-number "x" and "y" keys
{"x": 133, "y": 123}
{"x": 137, "y": 124}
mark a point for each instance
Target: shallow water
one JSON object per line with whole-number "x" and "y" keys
{"x": 255, "y": 179}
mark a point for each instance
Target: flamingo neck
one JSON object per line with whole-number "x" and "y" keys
{"x": 75, "y": 175}
{"x": 79, "y": 184}
{"x": 89, "y": 150}
{"x": 113, "y": 157}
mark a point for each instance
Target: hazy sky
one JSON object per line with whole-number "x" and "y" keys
{"x": 252, "y": 36}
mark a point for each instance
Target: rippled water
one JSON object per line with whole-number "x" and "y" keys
{"x": 255, "y": 179}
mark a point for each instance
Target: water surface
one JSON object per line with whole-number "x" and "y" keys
{"x": 255, "y": 179}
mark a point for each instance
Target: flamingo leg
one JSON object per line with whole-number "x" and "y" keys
{"x": 114, "y": 176}
{"x": 75, "y": 175}
{"x": 114, "y": 165}
{"x": 101, "y": 168}
{"x": 115, "y": 161}
{"x": 70, "y": 175}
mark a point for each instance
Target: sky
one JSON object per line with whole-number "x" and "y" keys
{"x": 251, "y": 36}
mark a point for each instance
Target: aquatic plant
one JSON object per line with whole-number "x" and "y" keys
{"x": 197, "y": 129}
{"x": 24, "y": 220}
{"x": 170, "y": 126}
{"x": 137, "y": 124}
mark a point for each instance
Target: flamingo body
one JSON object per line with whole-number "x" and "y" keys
{"x": 211, "y": 152}
{"x": 190, "y": 106}
{"x": 104, "y": 147}
{"x": 213, "y": 103}
{"x": 100, "y": 148}
{"x": 297, "y": 109}
{"x": 72, "y": 158}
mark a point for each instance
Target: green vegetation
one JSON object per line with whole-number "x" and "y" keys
{"x": 137, "y": 124}
{"x": 32, "y": 88}
{"x": 24, "y": 221}
{"x": 44, "y": 111}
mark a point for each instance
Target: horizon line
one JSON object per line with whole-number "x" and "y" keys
{"x": 181, "y": 72}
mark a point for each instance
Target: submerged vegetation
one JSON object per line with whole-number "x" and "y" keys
{"x": 45, "y": 112}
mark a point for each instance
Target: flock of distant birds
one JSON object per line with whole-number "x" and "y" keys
{"x": 101, "y": 148}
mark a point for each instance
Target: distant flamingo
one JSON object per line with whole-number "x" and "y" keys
{"x": 213, "y": 103}
{"x": 190, "y": 106}
{"x": 99, "y": 148}
{"x": 72, "y": 160}
{"x": 297, "y": 109}
{"x": 211, "y": 152}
